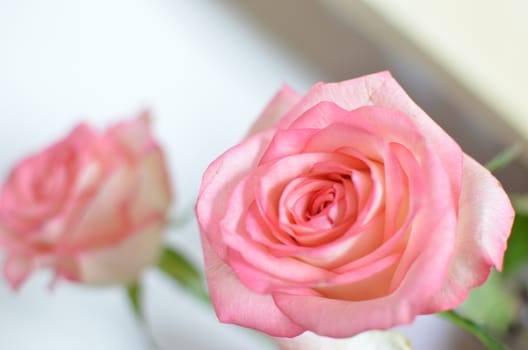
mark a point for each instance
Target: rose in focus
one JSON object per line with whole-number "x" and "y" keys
{"x": 345, "y": 210}
{"x": 92, "y": 206}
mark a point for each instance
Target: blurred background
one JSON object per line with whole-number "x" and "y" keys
{"x": 205, "y": 69}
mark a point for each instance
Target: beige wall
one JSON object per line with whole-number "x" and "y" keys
{"x": 484, "y": 44}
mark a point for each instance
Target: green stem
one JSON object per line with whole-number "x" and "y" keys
{"x": 504, "y": 158}
{"x": 484, "y": 337}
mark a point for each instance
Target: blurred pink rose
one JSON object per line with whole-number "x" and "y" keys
{"x": 91, "y": 206}
{"x": 347, "y": 209}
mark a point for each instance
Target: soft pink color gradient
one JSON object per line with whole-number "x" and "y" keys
{"x": 347, "y": 209}
{"x": 91, "y": 206}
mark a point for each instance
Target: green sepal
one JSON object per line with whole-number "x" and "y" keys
{"x": 504, "y": 158}
{"x": 134, "y": 297}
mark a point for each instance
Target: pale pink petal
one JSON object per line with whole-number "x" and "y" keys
{"x": 485, "y": 220}
{"x": 381, "y": 89}
{"x": 132, "y": 137}
{"x": 371, "y": 124}
{"x": 121, "y": 263}
{"x": 283, "y": 100}
{"x": 288, "y": 270}
{"x": 234, "y": 303}
{"x": 349, "y": 248}
{"x": 152, "y": 192}
{"x": 338, "y": 318}
{"x": 368, "y": 283}
{"x": 397, "y": 189}
{"x": 341, "y": 319}
{"x": 339, "y": 135}
{"x": 66, "y": 267}
{"x": 17, "y": 269}
{"x": 262, "y": 282}
{"x": 432, "y": 237}
{"x": 287, "y": 142}
{"x": 104, "y": 219}
{"x": 220, "y": 179}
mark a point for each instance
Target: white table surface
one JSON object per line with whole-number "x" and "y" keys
{"x": 205, "y": 71}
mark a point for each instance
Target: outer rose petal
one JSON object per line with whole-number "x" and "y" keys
{"x": 17, "y": 269}
{"x": 485, "y": 221}
{"x": 231, "y": 298}
{"x": 372, "y": 340}
{"x": 123, "y": 262}
{"x": 220, "y": 179}
{"x": 133, "y": 136}
{"x": 278, "y": 106}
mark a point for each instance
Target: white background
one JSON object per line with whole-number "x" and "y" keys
{"x": 205, "y": 71}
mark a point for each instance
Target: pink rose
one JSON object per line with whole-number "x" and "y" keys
{"x": 91, "y": 206}
{"x": 347, "y": 209}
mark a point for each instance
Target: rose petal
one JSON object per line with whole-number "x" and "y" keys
{"x": 366, "y": 283}
{"x": 372, "y": 125}
{"x": 287, "y": 142}
{"x": 381, "y": 89}
{"x": 338, "y": 318}
{"x": 86, "y": 229}
{"x": 133, "y": 137}
{"x": 231, "y": 299}
{"x": 233, "y": 235}
{"x": 219, "y": 180}
{"x": 425, "y": 271}
{"x": 289, "y": 270}
{"x": 152, "y": 188}
{"x": 485, "y": 220}
{"x": 338, "y": 135}
{"x": 123, "y": 262}
{"x": 17, "y": 269}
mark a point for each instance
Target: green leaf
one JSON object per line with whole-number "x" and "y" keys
{"x": 495, "y": 305}
{"x": 482, "y": 335}
{"x": 182, "y": 271}
{"x": 504, "y": 158}
{"x": 134, "y": 296}
{"x": 517, "y": 253}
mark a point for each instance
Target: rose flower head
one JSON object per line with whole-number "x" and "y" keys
{"x": 92, "y": 206}
{"x": 347, "y": 209}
